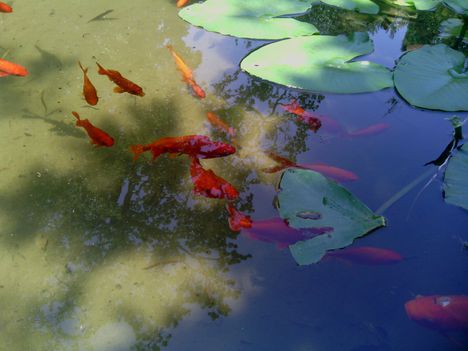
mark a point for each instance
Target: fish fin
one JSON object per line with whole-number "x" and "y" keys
{"x": 85, "y": 70}
{"x": 137, "y": 151}
{"x": 101, "y": 69}
{"x": 119, "y": 90}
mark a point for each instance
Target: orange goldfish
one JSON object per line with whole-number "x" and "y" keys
{"x": 181, "y": 3}
{"x": 123, "y": 84}
{"x": 237, "y": 220}
{"x": 371, "y": 130}
{"x": 339, "y": 174}
{"x": 89, "y": 91}
{"x": 98, "y": 136}
{"x": 208, "y": 184}
{"x": 199, "y": 146}
{"x": 187, "y": 75}
{"x": 218, "y": 123}
{"x": 366, "y": 255}
{"x": 12, "y": 68}
{"x": 313, "y": 122}
{"x": 5, "y": 8}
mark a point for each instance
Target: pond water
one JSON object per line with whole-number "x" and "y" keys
{"x": 98, "y": 252}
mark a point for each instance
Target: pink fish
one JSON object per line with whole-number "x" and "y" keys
{"x": 366, "y": 255}
{"x": 339, "y": 174}
{"x": 312, "y": 121}
{"x": 371, "y": 130}
{"x": 237, "y": 220}
{"x": 277, "y": 231}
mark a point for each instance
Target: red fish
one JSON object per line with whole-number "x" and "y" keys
{"x": 339, "y": 174}
{"x": 366, "y": 255}
{"x": 313, "y": 122}
{"x": 98, "y": 136}
{"x": 187, "y": 74}
{"x": 443, "y": 313}
{"x": 181, "y": 3}
{"x": 89, "y": 91}
{"x": 237, "y": 220}
{"x": 208, "y": 184}
{"x": 5, "y": 8}
{"x": 371, "y": 130}
{"x": 220, "y": 124}
{"x": 199, "y": 146}
{"x": 12, "y": 68}
{"x": 277, "y": 231}
{"x": 123, "y": 84}
{"x": 4, "y": 74}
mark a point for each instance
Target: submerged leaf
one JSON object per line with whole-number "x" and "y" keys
{"x": 363, "y": 6}
{"x": 320, "y": 63}
{"x": 255, "y": 19}
{"x": 338, "y": 208}
{"x": 460, "y": 6}
{"x": 433, "y": 77}
{"x": 456, "y": 179}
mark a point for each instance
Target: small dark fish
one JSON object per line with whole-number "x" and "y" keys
{"x": 49, "y": 58}
{"x": 101, "y": 16}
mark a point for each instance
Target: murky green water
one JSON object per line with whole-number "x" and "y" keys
{"x": 98, "y": 252}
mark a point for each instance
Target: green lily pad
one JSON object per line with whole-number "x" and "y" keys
{"x": 451, "y": 28}
{"x": 254, "y": 19}
{"x": 363, "y": 6}
{"x": 337, "y": 207}
{"x": 456, "y": 179}
{"x": 460, "y": 6}
{"x": 432, "y": 77}
{"x": 319, "y": 63}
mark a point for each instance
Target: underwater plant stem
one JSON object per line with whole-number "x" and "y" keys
{"x": 405, "y": 190}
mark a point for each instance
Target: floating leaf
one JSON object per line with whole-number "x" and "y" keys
{"x": 338, "y": 208}
{"x": 451, "y": 28}
{"x": 433, "y": 77}
{"x": 319, "y": 63}
{"x": 363, "y": 6}
{"x": 456, "y": 179}
{"x": 460, "y": 6}
{"x": 255, "y": 19}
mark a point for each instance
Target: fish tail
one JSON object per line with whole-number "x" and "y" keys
{"x": 137, "y": 151}
{"x": 77, "y": 116}
{"x": 82, "y": 68}
{"x": 101, "y": 69}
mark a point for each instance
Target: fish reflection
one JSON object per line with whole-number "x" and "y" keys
{"x": 366, "y": 255}
{"x": 338, "y": 174}
{"x": 199, "y": 146}
{"x": 277, "y": 231}
{"x": 371, "y": 130}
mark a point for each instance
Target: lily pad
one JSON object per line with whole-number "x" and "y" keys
{"x": 319, "y": 63}
{"x": 456, "y": 180}
{"x": 254, "y": 19}
{"x": 363, "y": 6}
{"x": 433, "y": 77}
{"x": 451, "y": 28}
{"x": 337, "y": 207}
{"x": 460, "y": 6}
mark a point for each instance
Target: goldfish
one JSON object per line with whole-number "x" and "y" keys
{"x": 218, "y": 123}
{"x": 12, "y": 68}
{"x": 440, "y": 312}
{"x": 293, "y": 107}
{"x": 5, "y": 8}
{"x": 366, "y": 255}
{"x": 4, "y": 74}
{"x": 187, "y": 74}
{"x": 199, "y": 146}
{"x": 277, "y": 231}
{"x": 98, "y": 136}
{"x": 338, "y": 174}
{"x": 237, "y": 220}
{"x": 123, "y": 84}
{"x": 208, "y": 184}
{"x": 371, "y": 130}
{"x": 89, "y": 91}
{"x": 181, "y": 3}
